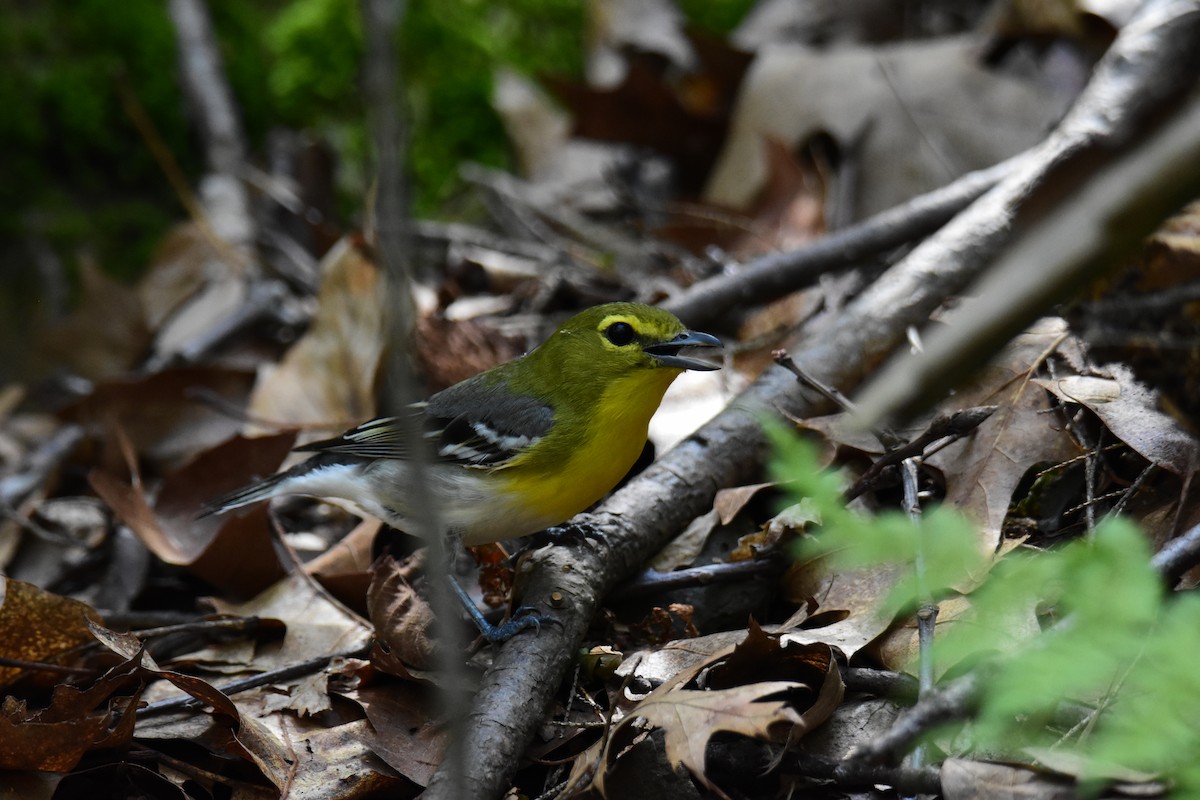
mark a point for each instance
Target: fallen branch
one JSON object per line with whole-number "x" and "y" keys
{"x": 775, "y": 274}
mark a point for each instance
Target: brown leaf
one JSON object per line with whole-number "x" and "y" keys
{"x": 789, "y": 212}
{"x": 316, "y": 625}
{"x": 1131, "y": 412}
{"x": 336, "y": 763}
{"x": 403, "y": 621}
{"x": 328, "y": 375}
{"x": 682, "y": 118}
{"x": 729, "y": 502}
{"x": 777, "y": 706}
{"x": 967, "y": 780}
{"x": 76, "y": 721}
{"x": 36, "y": 625}
{"x": 983, "y": 471}
{"x": 27, "y": 742}
{"x": 168, "y": 416}
{"x": 232, "y": 551}
{"x": 848, "y": 603}
{"x": 404, "y": 728}
{"x": 133, "y": 650}
{"x": 684, "y": 548}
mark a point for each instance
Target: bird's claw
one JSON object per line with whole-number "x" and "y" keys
{"x": 579, "y": 531}
{"x": 523, "y": 618}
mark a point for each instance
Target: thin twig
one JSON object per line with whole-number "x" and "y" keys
{"x": 887, "y": 438}
{"x": 942, "y": 431}
{"x": 928, "y": 610}
{"x": 1180, "y": 555}
{"x": 652, "y": 581}
{"x": 252, "y": 682}
{"x": 776, "y": 274}
{"x": 44, "y": 666}
{"x": 1133, "y": 489}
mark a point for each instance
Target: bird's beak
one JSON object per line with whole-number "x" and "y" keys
{"x": 667, "y": 353}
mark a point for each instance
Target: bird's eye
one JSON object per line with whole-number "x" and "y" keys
{"x": 620, "y": 333}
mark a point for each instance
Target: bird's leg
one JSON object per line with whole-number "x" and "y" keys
{"x": 524, "y": 617}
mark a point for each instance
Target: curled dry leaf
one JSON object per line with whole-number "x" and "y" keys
{"x": 1131, "y": 412}
{"x": 403, "y": 622}
{"x": 983, "y": 472}
{"x": 75, "y": 722}
{"x": 760, "y": 688}
{"x": 133, "y": 650}
{"x": 232, "y": 551}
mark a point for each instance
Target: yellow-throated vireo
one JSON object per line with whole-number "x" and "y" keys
{"x": 518, "y": 448}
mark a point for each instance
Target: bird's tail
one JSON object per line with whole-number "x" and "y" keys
{"x": 244, "y": 496}
{"x": 323, "y": 475}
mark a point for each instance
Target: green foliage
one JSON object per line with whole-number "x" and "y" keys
{"x": 449, "y": 52}
{"x": 70, "y": 149}
{"x": 1115, "y": 642}
{"x": 715, "y": 16}
{"x": 78, "y": 176}
{"x": 853, "y": 541}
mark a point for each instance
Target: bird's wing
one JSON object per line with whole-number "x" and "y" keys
{"x": 379, "y": 438}
{"x": 482, "y": 422}
{"x": 475, "y": 422}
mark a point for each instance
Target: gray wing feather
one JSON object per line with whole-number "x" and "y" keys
{"x": 477, "y": 422}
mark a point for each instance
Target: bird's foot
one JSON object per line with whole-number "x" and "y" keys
{"x": 575, "y": 531}
{"x": 523, "y": 618}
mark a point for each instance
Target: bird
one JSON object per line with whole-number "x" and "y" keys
{"x": 516, "y": 449}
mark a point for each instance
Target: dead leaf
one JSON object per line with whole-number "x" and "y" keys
{"x": 790, "y": 209}
{"x": 335, "y": 763}
{"x": 36, "y": 625}
{"x": 684, "y": 548}
{"x": 983, "y": 471}
{"x": 405, "y": 731}
{"x": 800, "y": 687}
{"x": 729, "y": 502}
{"x": 919, "y": 113}
{"x": 168, "y": 416}
{"x": 328, "y": 376}
{"x": 54, "y": 740}
{"x": 134, "y": 652}
{"x": 316, "y": 625}
{"x": 403, "y": 621}
{"x": 683, "y": 117}
{"x": 76, "y": 721}
{"x": 232, "y": 551}
{"x": 1131, "y": 412}
{"x": 963, "y": 779}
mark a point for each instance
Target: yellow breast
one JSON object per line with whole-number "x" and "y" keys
{"x": 616, "y": 434}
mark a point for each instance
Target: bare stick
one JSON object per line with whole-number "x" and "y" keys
{"x": 776, "y": 274}
{"x": 211, "y": 99}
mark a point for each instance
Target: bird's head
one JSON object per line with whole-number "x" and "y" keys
{"x": 618, "y": 339}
